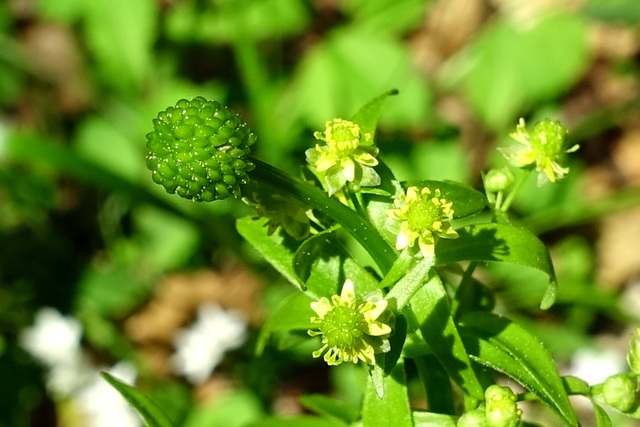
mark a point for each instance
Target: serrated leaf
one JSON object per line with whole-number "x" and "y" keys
{"x": 330, "y": 408}
{"x": 431, "y": 309}
{"x": 392, "y": 409}
{"x": 502, "y": 243}
{"x": 506, "y": 347}
{"x": 294, "y": 313}
{"x": 148, "y": 409}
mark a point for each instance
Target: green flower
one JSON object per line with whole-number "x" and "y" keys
{"x": 282, "y": 211}
{"x": 349, "y": 327}
{"x": 543, "y": 147}
{"x": 500, "y": 407}
{"x": 348, "y": 156}
{"x": 424, "y": 216}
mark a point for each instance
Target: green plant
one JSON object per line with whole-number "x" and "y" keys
{"x": 418, "y": 302}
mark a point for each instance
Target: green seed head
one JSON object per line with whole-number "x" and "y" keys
{"x": 199, "y": 150}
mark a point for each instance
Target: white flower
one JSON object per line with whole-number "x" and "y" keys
{"x": 103, "y": 406}
{"x": 53, "y": 338}
{"x": 201, "y": 346}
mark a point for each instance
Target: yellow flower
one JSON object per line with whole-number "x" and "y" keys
{"x": 543, "y": 147}
{"x": 424, "y": 216}
{"x": 347, "y": 156}
{"x": 350, "y": 328}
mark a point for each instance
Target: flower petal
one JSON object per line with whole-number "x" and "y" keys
{"x": 348, "y": 294}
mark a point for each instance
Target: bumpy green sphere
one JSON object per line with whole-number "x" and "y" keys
{"x": 199, "y": 150}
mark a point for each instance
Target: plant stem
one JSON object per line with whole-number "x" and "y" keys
{"x": 359, "y": 227}
{"x": 507, "y": 202}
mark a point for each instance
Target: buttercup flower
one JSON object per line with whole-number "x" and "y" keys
{"x": 348, "y": 156}
{"x": 350, "y": 328}
{"x": 424, "y": 216}
{"x": 543, "y": 147}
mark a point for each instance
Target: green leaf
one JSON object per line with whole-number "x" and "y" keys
{"x": 232, "y": 409}
{"x": 602, "y": 418}
{"x": 340, "y": 73}
{"x": 504, "y": 346}
{"x": 148, "y": 409}
{"x": 430, "y": 306}
{"x": 393, "y": 408}
{"x": 330, "y": 408}
{"x": 465, "y": 200}
{"x": 293, "y": 313}
{"x": 511, "y": 66}
{"x": 436, "y": 384}
{"x": 300, "y": 421}
{"x": 36, "y": 148}
{"x": 367, "y": 116}
{"x": 355, "y": 224}
{"x": 433, "y": 419}
{"x": 500, "y": 242}
{"x": 317, "y": 264}
{"x": 123, "y": 57}
{"x": 273, "y": 248}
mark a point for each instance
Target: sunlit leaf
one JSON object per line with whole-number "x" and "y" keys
{"x": 148, "y": 410}
{"x": 431, "y": 309}
{"x": 503, "y": 243}
{"x": 392, "y": 409}
{"x": 506, "y": 347}
{"x": 330, "y": 408}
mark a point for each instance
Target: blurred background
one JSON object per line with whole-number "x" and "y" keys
{"x": 102, "y": 270}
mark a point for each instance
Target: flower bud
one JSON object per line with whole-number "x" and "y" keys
{"x": 199, "y": 150}
{"x": 498, "y": 180}
{"x": 501, "y": 409}
{"x": 619, "y": 391}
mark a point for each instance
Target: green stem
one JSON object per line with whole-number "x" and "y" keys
{"x": 507, "y": 202}
{"x": 466, "y": 294}
{"x": 398, "y": 270}
{"x": 359, "y": 227}
{"x": 410, "y": 283}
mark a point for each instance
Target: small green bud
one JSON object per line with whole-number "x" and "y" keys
{"x": 633, "y": 357}
{"x": 619, "y": 391}
{"x": 199, "y": 149}
{"x": 500, "y": 407}
{"x": 498, "y": 180}
{"x": 475, "y": 418}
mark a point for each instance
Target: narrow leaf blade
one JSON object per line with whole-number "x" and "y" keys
{"x": 148, "y": 409}
{"x": 431, "y": 309}
{"x": 392, "y": 409}
{"x": 506, "y": 347}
